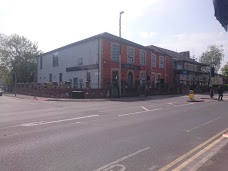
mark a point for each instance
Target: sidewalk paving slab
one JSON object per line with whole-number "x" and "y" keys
{"x": 219, "y": 162}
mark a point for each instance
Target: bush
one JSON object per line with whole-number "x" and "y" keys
{"x": 225, "y": 87}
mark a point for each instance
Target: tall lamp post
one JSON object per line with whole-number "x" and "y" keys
{"x": 120, "y": 89}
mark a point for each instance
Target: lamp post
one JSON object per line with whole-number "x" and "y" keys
{"x": 120, "y": 55}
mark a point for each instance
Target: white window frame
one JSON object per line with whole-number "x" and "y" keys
{"x": 143, "y": 58}
{"x": 115, "y": 57}
{"x": 55, "y": 59}
{"x": 130, "y": 56}
{"x": 161, "y": 62}
{"x": 153, "y": 63}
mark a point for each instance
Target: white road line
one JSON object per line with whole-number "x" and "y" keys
{"x": 144, "y": 108}
{"x": 120, "y": 167}
{"x": 121, "y": 159}
{"x": 134, "y": 113}
{"x": 171, "y": 103}
{"x": 203, "y": 124}
{"x": 119, "y": 108}
{"x": 50, "y": 122}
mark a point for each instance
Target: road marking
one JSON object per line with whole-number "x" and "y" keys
{"x": 203, "y": 124}
{"x": 183, "y": 165}
{"x": 144, "y": 108}
{"x": 119, "y": 108}
{"x": 191, "y": 151}
{"x": 121, "y": 159}
{"x": 170, "y": 103}
{"x": 122, "y": 168}
{"x": 134, "y": 113}
{"x": 50, "y": 122}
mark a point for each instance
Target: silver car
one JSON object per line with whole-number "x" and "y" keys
{"x": 1, "y": 92}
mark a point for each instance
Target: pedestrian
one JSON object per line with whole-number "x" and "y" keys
{"x": 220, "y": 92}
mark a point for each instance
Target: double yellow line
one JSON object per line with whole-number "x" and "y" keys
{"x": 184, "y": 156}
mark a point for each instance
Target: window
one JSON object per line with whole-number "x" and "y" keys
{"x": 81, "y": 82}
{"x": 88, "y": 76}
{"x": 115, "y": 53}
{"x": 55, "y": 59}
{"x": 153, "y": 61}
{"x": 80, "y": 61}
{"x": 130, "y": 56}
{"x": 75, "y": 82}
{"x": 41, "y": 62}
{"x": 161, "y": 62}
{"x": 142, "y": 58}
{"x": 50, "y": 77}
{"x": 60, "y": 78}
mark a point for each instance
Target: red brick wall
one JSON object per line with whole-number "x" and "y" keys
{"x": 109, "y": 65}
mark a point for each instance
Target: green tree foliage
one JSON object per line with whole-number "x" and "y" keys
{"x": 17, "y": 55}
{"x": 225, "y": 70}
{"x": 213, "y": 56}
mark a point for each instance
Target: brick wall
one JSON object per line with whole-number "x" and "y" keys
{"x": 109, "y": 65}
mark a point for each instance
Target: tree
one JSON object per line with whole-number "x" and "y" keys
{"x": 18, "y": 55}
{"x": 213, "y": 56}
{"x": 225, "y": 70}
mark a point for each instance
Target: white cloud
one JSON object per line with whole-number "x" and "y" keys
{"x": 148, "y": 35}
{"x": 55, "y": 23}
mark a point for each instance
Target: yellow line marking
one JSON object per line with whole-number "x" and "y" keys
{"x": 183, "y": 165}
{"x": 192, "y": 151}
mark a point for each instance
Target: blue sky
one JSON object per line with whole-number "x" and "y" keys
{"x": 178, "y": 25}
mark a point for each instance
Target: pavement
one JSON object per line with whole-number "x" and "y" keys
{"x": 138, "y": 98}
{"x": 154, "y": 133}
{"x": 217, "y": 162}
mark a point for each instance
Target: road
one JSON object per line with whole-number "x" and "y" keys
{"x": 105, "y": 135}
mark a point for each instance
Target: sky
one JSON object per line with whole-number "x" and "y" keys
{"x": 179, "y": 25}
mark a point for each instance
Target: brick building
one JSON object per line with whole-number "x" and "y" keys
{"x": 95, "y": 61}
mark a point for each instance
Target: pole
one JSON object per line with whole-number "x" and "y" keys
{"x": 34, "y": 84}
{"x": 15, "y": 83}
{"x": 120, "y": 86}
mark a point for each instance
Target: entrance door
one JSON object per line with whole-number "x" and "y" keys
{"x": 130, "y": 80}
{"x": 115, "y": 84}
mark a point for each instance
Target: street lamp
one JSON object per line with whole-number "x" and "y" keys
{"x": 120, "y": 23}
{"x": 120, "y": 55}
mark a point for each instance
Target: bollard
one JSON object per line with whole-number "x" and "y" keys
{"x": 191, "y": 95}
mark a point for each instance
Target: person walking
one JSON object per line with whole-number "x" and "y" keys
{"x": 220, "y": 92}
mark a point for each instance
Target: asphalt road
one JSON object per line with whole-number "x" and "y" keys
{"x": 104, "y": 135}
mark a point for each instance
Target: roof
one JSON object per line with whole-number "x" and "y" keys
{"x": 98, "y": 36}
{"x": 176, "y": 55}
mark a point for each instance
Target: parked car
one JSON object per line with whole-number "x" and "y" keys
{"x": 1, "y": 92}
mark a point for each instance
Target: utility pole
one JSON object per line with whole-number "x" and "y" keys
{"x": 120, "y": 88}
{"x": 15, "y": 83}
